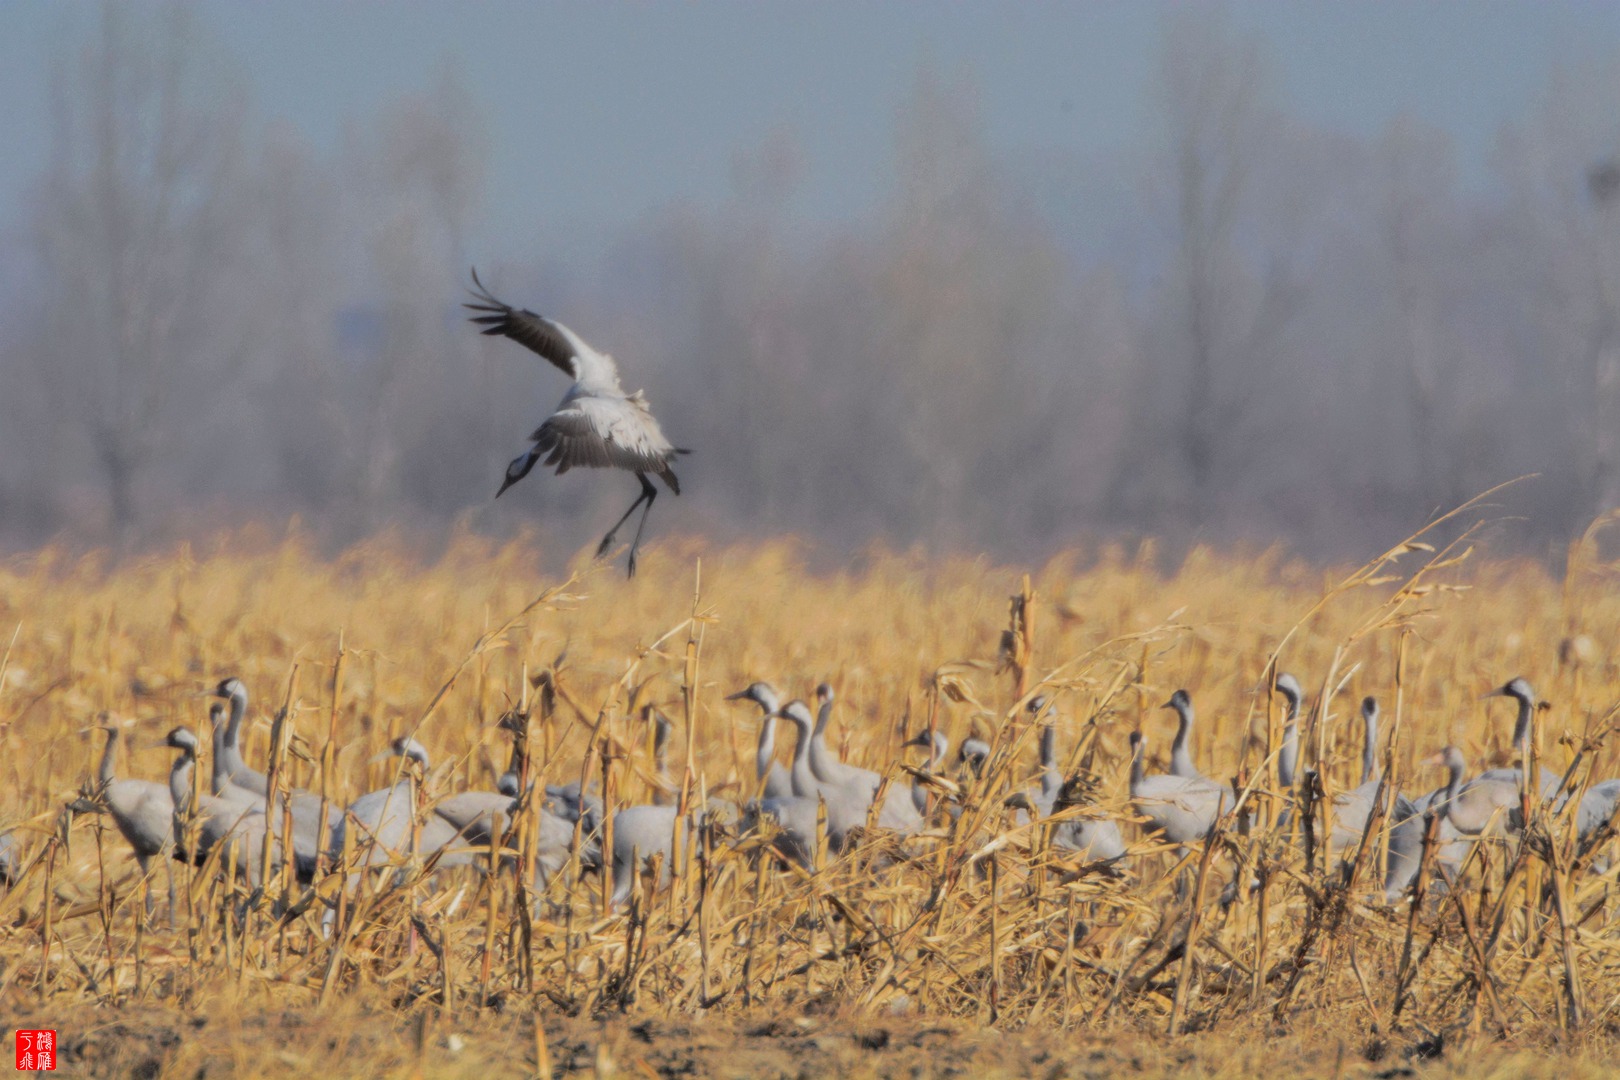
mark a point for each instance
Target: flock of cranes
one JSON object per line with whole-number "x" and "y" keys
{"x": 247, "y": 824}
{"x": 814, "y": 805}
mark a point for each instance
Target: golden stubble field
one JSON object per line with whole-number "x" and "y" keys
{"x": 971, "y": 949}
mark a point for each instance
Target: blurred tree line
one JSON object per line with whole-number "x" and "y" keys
{"x": 1310, "y": 336}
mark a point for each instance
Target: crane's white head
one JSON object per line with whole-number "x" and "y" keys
{"x": 181, "y": 738}
{"x": 518, "y": 469}
{"x": 1369, "y": 708}
{"x": 1180, "y": 701}
{"x": 1449, "y": 758}
{"x": 935, "y": 744}
{"x": 1020, "y": 800}
{"x": 230, "y": 687}
{"x": 824, "y": 693}
{"x": 762, "y": 694}
{"x": 973, "y": 753}
{"x": 1288, "y": 687}
{"x": 798, "y": 713}
{"x": 216, "y": 714}
{"x": 407, "y": 747}
{"x": 1516, "y": 688}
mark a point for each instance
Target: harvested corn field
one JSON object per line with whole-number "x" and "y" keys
{"x": 917, "y": 940}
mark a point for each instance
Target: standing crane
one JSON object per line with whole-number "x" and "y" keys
{"x": 233, "y": 779}
{"x": 597, "y": 425}
{"x": 143, "y": 810}
{"x": 214, "y": 822}
{"x": 1519, "y": 691}
{"x": 774, "y": 778}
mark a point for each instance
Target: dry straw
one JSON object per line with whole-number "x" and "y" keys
{"x": 977, "y": 918}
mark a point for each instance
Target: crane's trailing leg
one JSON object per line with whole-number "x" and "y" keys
{"x": 648, "y": 494}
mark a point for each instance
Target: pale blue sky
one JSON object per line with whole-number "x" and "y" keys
{"x": 601, "y": 113}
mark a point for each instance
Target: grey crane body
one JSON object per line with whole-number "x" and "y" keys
{"x": 562, "y": 808}
{"x": 1410, "y": 819}
{"x": 382, "y": 822}
{"x": 1404, "y": 826}
{"x": 1352, "y": 809}
{"x": 795, "y": 821}
{"x": 568, "y": 802}
{"x": 235, "y": 781}
{"x": 1597, "y": 807}
{"x": 845, "y": 807}
{"x": 597, "y": 424}
{"x": 476, "y": 816}
{"x": 774, "y": 780}
{"x": 827, "y": 766}
{"x": 645, "y": 833}
{"x": 557, "y": 817}
{"x": 1182, "y": 808}
{"x": 1094, "y": 839}
{"x": 237, "y": 831}
{"x": 143, "y": 811}
{"x": 1482, "y": 804}
{"x": 460, "y": 828}
{"x": 898, "y": 811}
{"x": 640, "y": 835}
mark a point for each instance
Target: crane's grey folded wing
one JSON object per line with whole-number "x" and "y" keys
{"x": 601, "y": 433}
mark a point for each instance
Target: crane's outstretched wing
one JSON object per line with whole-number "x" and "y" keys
{"x": 532, "y": 331}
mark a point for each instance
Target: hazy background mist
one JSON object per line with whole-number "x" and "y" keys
{"x": 969, "y": 277}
